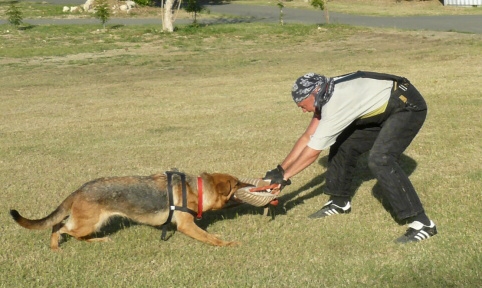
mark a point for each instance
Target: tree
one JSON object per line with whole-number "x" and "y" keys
{"x": 322, "y": 6}
{"x": 167, "y": 22}
{"x": 14, "y": 15}
{"x": 280, "y": 6}
{"x": 168, "y": 15}
{"x": 193, "y": 6}
{"x": 102, "y": 11}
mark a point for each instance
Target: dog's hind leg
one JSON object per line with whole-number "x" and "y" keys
{"x": 84, "y": 232}
{"x": 86, "y": 218}
{"x": 55, "y": 236}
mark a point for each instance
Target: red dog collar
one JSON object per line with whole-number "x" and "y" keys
{"x": 200, "y": 197}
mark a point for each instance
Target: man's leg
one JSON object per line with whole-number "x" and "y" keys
{"x": 397, "y": 133}
{"x": 343, "y": 158}
{"x": 395, "y": 136}
{"x": 342, "y": 161}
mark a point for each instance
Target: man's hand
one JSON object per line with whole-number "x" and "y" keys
{"x": 282, "y": 183}
{"x": 275, "y": 174}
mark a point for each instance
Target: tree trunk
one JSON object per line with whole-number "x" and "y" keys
{"x": 167, "y": 24}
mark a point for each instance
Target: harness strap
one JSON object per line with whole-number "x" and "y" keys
{"x": 372, "y": 75}
{"x": 172, "y": 207}
{"x": 199, "y": 198}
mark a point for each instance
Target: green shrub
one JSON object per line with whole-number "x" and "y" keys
{"x": 143, "y": 2}
{"x": 102, "y": 11}
{"x": 14, "y": 15}
{"x": 321, "y": 4}
{"x": 193, "y": 6}
{"x": 280, "y": 6}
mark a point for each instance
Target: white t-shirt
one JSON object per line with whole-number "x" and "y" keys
{"x": 351, "y": 100}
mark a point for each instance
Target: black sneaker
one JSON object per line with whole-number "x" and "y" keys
{"x": 417, "y": 232}
{"x": 331, "y": 209}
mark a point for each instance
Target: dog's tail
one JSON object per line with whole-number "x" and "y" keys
{"x": 57, "y": 216}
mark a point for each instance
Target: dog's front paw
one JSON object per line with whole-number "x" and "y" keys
{"x": 56, "y": 249}
{"x": 233, "y": 244}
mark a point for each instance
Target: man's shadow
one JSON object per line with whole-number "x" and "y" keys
{"x": 291, "y": 200}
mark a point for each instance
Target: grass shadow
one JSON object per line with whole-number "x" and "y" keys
{"x": 5, "y": 3}
{"x": 116, "y": 26}
{"x": 217, "y": 21}
{"x": 292, "y": 199}
{"x": 25, "y": 27}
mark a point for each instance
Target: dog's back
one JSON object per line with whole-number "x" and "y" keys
{"x": 130, "y": 195}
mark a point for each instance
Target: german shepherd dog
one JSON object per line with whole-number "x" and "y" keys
{"x": 143, "y": 199}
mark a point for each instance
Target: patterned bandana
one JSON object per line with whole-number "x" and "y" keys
{"x": 305, "y": 85}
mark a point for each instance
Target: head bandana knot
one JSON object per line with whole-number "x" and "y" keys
{"x": 305, "y": 85}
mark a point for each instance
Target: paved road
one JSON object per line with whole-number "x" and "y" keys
{"x": 466, "y": 23}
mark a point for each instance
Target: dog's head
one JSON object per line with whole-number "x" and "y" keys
{"x": 223, "y": 186}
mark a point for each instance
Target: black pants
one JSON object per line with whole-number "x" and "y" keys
{"x": 386, "y": 139}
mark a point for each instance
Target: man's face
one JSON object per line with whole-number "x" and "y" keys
{"x": 308, "y": 105}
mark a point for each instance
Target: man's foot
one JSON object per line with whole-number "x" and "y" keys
{"x": 331, "y": 209}
{"x": 417, "y": 232}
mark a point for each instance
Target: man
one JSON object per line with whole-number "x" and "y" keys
{"x": 353, "y": 114}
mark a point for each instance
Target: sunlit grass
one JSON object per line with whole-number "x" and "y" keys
{"x": 135, "y": 101}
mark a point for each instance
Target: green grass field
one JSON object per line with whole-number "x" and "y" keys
{"x": 78, "y": 103}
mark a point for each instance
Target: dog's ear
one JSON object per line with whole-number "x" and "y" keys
{"x": 225, "y": 184}
{"x": 224, "y": 188}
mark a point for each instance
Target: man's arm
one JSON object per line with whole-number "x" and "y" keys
{"x": 300, "y": 145}
{"x": 305, "y": 158}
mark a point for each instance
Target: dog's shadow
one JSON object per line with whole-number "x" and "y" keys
{"x": 293, "y": 199}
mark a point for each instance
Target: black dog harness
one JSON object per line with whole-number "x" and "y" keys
{"x": 172, "y": 207}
